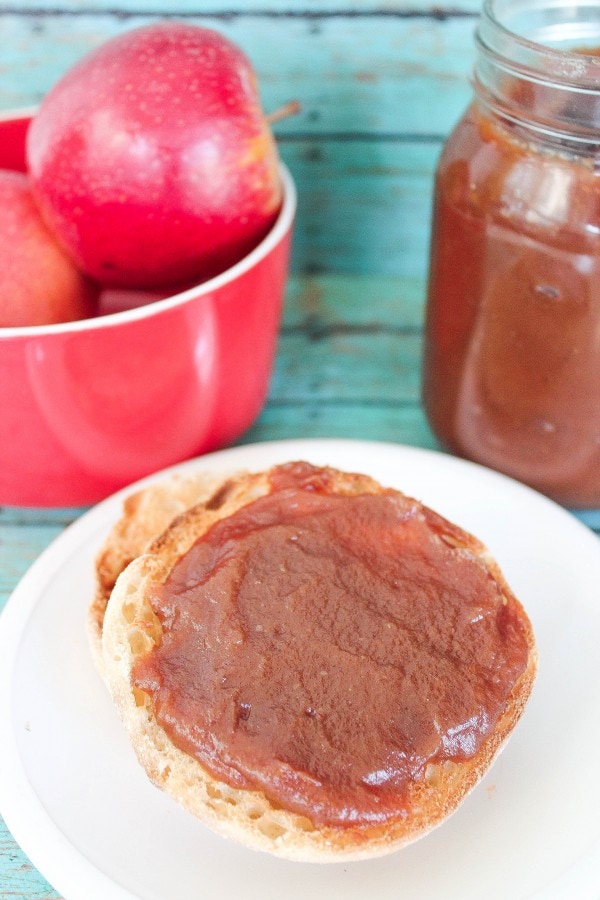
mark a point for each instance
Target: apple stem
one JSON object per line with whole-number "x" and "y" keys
{"x": 283, "y": 112}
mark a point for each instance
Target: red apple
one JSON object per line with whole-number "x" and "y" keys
{"x": 39, "y": 285}
{"x": 152, "y": 160}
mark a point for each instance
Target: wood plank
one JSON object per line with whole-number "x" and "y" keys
{"x": 403, "y": 424}
{"x": 18, "y": 878}
{"x": 315, "y": 9}
{"x": 326, "y": 302}
{"x": 348, "y": 362}
{"x": 349, "y": 340}
{"x": 363, "y": 207}
{"x": 20, "y": 545}
{"x": 352, "y": 74}
{"x": 28, "y": 517}
{"x": 365, "y": 368}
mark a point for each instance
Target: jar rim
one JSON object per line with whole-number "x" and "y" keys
{"x": 530, "y": 69}
{"x": 535, "y": 58}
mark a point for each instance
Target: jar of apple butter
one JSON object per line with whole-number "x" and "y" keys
{"x": 512, "y": 346}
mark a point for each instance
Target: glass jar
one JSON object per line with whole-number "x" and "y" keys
{"x": 512, "y": 345}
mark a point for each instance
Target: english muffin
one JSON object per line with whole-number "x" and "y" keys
{"x": 315, "y": 665}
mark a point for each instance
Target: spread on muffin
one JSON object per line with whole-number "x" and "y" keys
{"x": 325, "y": 648}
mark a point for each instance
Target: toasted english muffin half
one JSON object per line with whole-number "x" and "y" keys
{"x": 132, "y": 630}
{"x": 146, "y": 513}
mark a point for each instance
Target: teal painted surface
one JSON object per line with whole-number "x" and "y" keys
{"x": 374, "y": 75}
{"x": 22, "y": 539}
{"x": 319, "y": 9}
{"x": 364, "y": 207}
{"x": 380, "y": 87}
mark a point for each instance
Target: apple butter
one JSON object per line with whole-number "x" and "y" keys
{"x": 512, "y": 348}
{"x": 323, "y": 648}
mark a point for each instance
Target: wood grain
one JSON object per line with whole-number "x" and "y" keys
{"x": 352, "y": 74}
{"x": 363, "y": 207}
{"x": 284, "y": 9}
{"x": 380, "y": 87}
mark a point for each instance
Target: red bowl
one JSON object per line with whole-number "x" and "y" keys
{"x": 87, "y": 407}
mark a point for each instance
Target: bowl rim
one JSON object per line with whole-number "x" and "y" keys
{"x": 281, "y": 226}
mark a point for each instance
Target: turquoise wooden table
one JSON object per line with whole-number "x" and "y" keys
{"x": 380, "y": 87}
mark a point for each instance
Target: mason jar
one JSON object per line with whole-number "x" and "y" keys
{"x": 512, "y": 344}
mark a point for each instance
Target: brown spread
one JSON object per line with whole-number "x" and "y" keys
{"x": 512, "y": 354}
{"x": 324, "y": 648}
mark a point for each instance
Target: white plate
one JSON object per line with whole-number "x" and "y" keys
{"x": 80, "y": 806}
